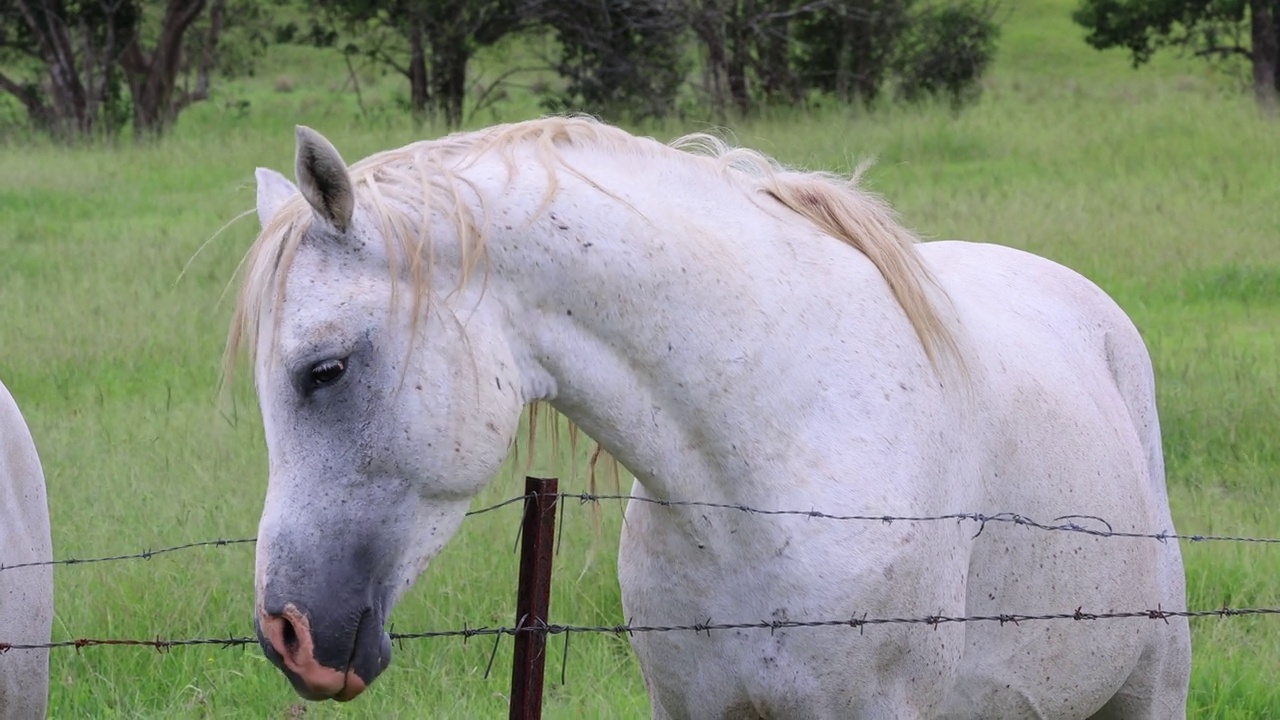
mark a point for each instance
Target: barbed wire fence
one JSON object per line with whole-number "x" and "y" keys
{"x": 532, "y": 627}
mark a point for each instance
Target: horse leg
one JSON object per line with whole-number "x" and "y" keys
{"x": 657, "y": 713}
{"x": 1157, "y": 687}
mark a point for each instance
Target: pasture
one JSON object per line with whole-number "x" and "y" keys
{"x": 1160, "y": 185}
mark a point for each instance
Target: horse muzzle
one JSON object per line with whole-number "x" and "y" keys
{"x": 334, "y": 658}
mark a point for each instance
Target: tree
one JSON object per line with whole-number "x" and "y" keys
{"x": 747, "y": 47}
{"x": 88, "y": 67}
{"x": 621, "y": 57}
{"x": 778, "y": 50}
{"x": 1248, "y": 29}
{"x": 227, "y": 41}
{"x": 64, "y": 60}
{"x": 848, "y": 48}
{"x": 946, "y": 51}
{"x": 153, "y": 73}
{"x": 857, "y": 48}
{"x": 430, "y": 42}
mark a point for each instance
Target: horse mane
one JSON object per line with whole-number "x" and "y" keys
{"x": 842, "y": 209}
{"x": 400, "y": 188}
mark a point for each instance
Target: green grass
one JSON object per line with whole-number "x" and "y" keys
{"x": 1159, "y": 184}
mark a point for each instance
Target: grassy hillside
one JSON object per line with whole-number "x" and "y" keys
{"x": 1158, "y": 184}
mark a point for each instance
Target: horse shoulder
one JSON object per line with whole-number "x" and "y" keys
{"x": 26, "y": 594}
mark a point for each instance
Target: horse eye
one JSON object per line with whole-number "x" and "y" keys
{"x": 327, "y": 372}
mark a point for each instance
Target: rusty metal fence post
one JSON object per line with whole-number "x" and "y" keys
{"x": 533, "y": 598}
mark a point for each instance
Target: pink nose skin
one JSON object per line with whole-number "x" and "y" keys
{"x": 290, "y": 635}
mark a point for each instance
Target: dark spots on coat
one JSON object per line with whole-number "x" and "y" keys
{"x": 783, "y": 549}
{"x": 740, "y": 711}
{"x": 569, "y": 313}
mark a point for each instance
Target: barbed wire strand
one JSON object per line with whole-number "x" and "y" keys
{"x": 1065, "y": 523}
{"x": 981, "y": 518}
{"x": 220, "y": 542}
{"x": 708, "y": 626}
{"x": 144, "y": 555}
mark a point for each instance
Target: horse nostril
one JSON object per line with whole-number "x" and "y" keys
{"x": 286, "y": 633}
{"x": 288, "y": 636}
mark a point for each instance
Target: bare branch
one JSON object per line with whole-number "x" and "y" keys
{"x": 484, "y": 100}
{"x": 1224, "y": 51}
{"x": 10, "y": 86}
{"x": 210, "y": 50}
{"x": 354, "y": 79}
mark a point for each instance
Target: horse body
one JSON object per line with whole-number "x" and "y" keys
{"x": 26, "y": 594}
{"x": 1060, "y": 421}
{"x": 712, "y": 338}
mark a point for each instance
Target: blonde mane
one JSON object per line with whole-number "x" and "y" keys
{"x": 401, "y": 188}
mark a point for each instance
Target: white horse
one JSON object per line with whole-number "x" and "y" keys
{"x": 732, "y": 332}
{"x": 26, "y": 593}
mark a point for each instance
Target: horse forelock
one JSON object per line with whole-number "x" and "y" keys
{"x": 261, "y": 272}
{"x": 397, "y": 192}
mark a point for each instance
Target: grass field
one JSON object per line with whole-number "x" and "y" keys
{"x": 1158, "y": 184}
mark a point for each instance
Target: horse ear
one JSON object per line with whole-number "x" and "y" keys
{"x": 323, "y": 179}
{"x": 273, "y": 190}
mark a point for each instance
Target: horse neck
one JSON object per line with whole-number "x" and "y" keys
{"x": 666, "y": 333}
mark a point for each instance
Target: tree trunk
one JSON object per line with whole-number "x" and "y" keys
{"x": 773, "y": 50}
{"x": 736, "y": 25}
{"x": 1275, "y": 18}
{"x": 865, "y": 65}
{"x": 70, "y": 109}
{"x": 707, "y": 23}
{"x": 1265, "y": 31}
{"x": 208, "y": 56}
{"x": 38, "y": 111}
{"x": 844, "y": 55}
{"x": 153, "y": 76}
{"x": 449, "y": 58}
{"x": 419, "y": 93}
